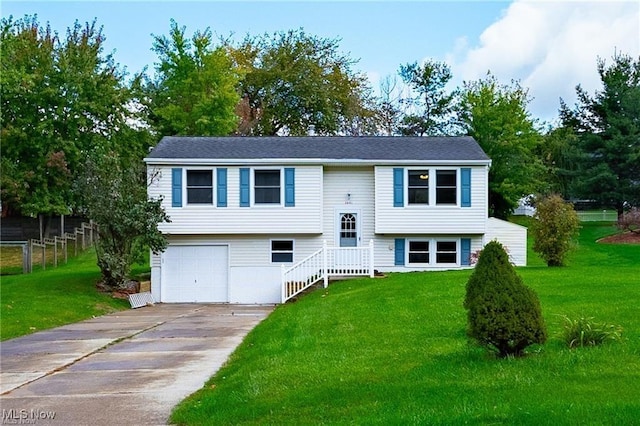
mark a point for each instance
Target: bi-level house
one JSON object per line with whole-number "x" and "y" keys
{"x": 258, "y": 219}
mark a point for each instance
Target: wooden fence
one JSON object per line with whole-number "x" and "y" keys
{"x": 35, "y": 251}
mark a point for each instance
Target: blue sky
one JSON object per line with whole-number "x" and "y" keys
{"x": 549, "y": 46}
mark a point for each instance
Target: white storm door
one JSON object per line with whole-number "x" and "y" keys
{"x": 347, "y": 237}
{"x": 348, "y": 229}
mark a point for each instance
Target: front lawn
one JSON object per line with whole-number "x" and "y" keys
{"x": 53, "y": 297}
{"x": 394, "y": 351}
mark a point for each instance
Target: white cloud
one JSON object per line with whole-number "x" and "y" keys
{"x": 550, "y": 47}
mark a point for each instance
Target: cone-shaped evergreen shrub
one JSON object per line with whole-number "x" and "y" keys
{"x": 503, "y": 314}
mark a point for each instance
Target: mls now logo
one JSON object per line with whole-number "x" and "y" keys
{"x": 25, "y": 417}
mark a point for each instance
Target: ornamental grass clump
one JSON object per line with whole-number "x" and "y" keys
{"x": 585, "y": 331}
{"x": 503, "y": 314}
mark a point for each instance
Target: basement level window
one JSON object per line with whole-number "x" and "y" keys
{"x": 282, "y": 251}
{"x": 446, "y": 252}
{"x": 419, "y": 252}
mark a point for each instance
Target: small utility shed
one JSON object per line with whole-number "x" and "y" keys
{"x": 242, "y": 207}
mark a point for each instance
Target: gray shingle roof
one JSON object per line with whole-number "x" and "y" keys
{"x": 339, "y": 148}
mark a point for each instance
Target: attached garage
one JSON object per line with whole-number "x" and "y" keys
{"x": 195, "y": 274}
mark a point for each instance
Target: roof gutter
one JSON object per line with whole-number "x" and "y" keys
{"x": 307, "y": 161}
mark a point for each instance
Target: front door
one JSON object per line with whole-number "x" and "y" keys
{"x": 348, "y": 227}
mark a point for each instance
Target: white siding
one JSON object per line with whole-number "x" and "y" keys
{"x": 251, "y": 250}
{"x": 431, "y": 219}
{"x": 253, "y": 278}
{"x": 304, "y": 218}
{"x": 384, "y": 251}
{"x": 511, "y": 236}
{"x": 358, "y": 182}
{"x": 320, "y": 196}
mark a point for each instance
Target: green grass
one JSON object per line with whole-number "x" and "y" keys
{"x": 394, "y": 351}
{"x": 53, "y": 297}
{"x": 11, "y": 258}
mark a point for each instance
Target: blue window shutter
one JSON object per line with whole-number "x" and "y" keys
{"x": 465, "y": 251}
{"x": 176, "y": 187}
{"x": 221, "y": 179}
{"x": 289, "y": 187}
{"x": 398, "y": 187}
{"x": 244, "y": 187}
{"x": 465, "y": 187}
{"x": 399, "y": 252}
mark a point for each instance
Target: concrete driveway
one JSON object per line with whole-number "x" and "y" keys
{"x": 127, "y": 368}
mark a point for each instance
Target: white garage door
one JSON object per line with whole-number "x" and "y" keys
{"x": 195, "y": 274}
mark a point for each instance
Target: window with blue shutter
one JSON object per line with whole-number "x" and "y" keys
{"x": 398, "y": 187}
{"x": 244, "y": 187}
{"x": 465, "y": 187}
{"x": 176, "y": 187}
{"x": 399, "y": 252}
{"x": 289, "y": 187}
{"x": 465, "y": 251}
{"x": 221, "y": 190}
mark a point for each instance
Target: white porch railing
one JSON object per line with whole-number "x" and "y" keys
{"x": 325, "y": 263}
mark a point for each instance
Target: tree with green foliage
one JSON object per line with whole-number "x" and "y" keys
{"x": 608, "y": 129}
{"x": 554, "y": 229}
{"x": 60, "y": 97}
{"x": 194, "y": 90}
{"x": 504, "y": 315}
{"x": 113, "y": 194}
{"x": 430, "y": 108}
{"x": 496, "y": 116}
{"x": 296, "y": 84}
{"x": 557, "y": 152}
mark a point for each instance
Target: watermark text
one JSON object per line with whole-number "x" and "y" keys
{"x": 23, "y": 416}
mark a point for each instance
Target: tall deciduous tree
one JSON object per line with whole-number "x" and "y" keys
{"x": 389, "y": 108}
{"x": 61, "y": 97}
{"x": 608, "y": 129}
{"x": 497, "y": 117}
{"x": 430, "y": 106}
{"x": 194, "y": 90}
{"x": 294, "y": 84}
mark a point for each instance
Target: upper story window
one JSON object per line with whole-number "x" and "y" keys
{"x": 267, "y": 186}
{"x": 199, "y": 187}
{"x": 446, "y": 187}
{"x": 413, "y": 187}
{"x": 418, "y": 188}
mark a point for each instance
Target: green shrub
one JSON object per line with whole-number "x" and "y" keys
{"x": 554, "y": 229}
{"x": 584, "y": 331}
{"x": 503, "y": 314}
